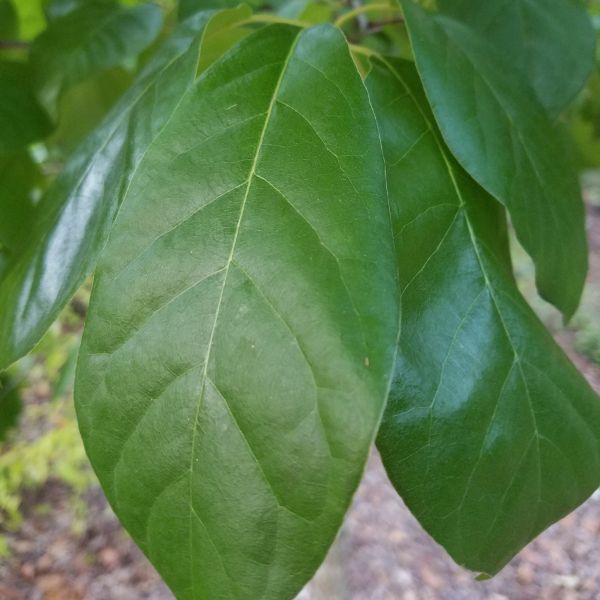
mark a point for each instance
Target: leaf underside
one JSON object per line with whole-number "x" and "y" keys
{"x": 498, "y": 131}
{"x": 490, "y": 434}
{"x": 244, "y": 315}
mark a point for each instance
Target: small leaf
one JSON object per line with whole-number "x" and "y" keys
{"x": 76, "y": 213}
{"x": 238, "y": 347}
{"x": 490, "y": 433}
{"x": 22, "y": 120}
{"x": 10, "y": 404}
{"x": 552, "y": 42}
{"x": 18, "y": 177}
{"x": 88, "y": 39}
{"x": 500, "y": 134}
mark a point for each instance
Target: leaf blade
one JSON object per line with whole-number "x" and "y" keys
{"x": 76, "y": 213}
{"x": 499, "y": 133}
{"x": 503, "y": 441}
{"x": 249, "y": 475}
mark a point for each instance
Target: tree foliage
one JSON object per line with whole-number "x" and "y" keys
{"x": 298, "y": 235}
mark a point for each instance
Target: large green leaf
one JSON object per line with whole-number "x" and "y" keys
{"x": 490, "y": 433}
{"x": 552, "y": 42}
{"x": 499, "y": 132}
{"x": 76, "y": 214}
{"x": 22, "y": 119}
{"x": 239, "y": 343}
{"x": 88, "y": 39}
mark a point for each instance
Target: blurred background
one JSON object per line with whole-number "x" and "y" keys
{"x": 60, "y": 541}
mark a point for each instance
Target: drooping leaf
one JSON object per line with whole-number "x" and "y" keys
{"x": 238, "y": 346}
{"x": 22, "y": 119}
{"x": 93, "y": 37}
{"x": 552, "y": 42}
{"x": 77, "y": 212}
{"x": 490, "y": 433}
{"x": 496, "y": 128}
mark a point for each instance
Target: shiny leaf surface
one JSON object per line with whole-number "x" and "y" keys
{"x": 496, "y": 128}
{"x": 242, "y": 325}
{"x": 490, "y": 433}
{"x": 78, "y": 210}
{"x": 552, "y": 42}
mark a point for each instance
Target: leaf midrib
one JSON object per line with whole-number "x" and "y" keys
{"x": 227, "y": 266}
{"x": 488, "y": 284}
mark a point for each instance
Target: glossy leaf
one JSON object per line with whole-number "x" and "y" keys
{"x": 552, "y": 42}
{"x": 90, "y": 38}
{"x": 22, "y": 119}
{"x": 494, "y": 125}
{"x": 78, "y": 210}
{"x": 238, "y": 347}
{"x": 490, "y": 433}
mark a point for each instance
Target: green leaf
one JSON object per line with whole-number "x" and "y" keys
{"x": 22, "y": 120}
{"x": 10, "y": 404}
{"x": 19, "y": 175}
{"x": 77, "y": 212}
{"x": 490, "y": 433}
{"x": 31, "y": 18}
{"x": 88, "y": 39}
{"x": 552, "y": 42}
{"x": 190, "y": 7}
{"x": 494, "y": 125}
{"x": 238, "y": 347}
{"x": 9, "y": 20}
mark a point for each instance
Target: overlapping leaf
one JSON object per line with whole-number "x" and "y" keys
{"x": 77, "y": 212}
{"x": 490, "y": 434}
{"x": 94, "y": 36}
{"x": 552, "y": 42}
{"x": 238, "y": 348}
{"x": 494, "y": 125}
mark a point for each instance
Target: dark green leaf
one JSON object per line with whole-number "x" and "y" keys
{"x": 93, "y": 37}
{"x": 552, "y": 42}
{"x": 22, "y": 120}
{"x": 490, "y": 433}
{"x": 77, "y": 212}
{"x": 238, "y": 347}
{"x": 10, "y": 404}
{"x": 19, "y": 175}
{"x": 494, "y": 125}
{"x": 9, "y": 20}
